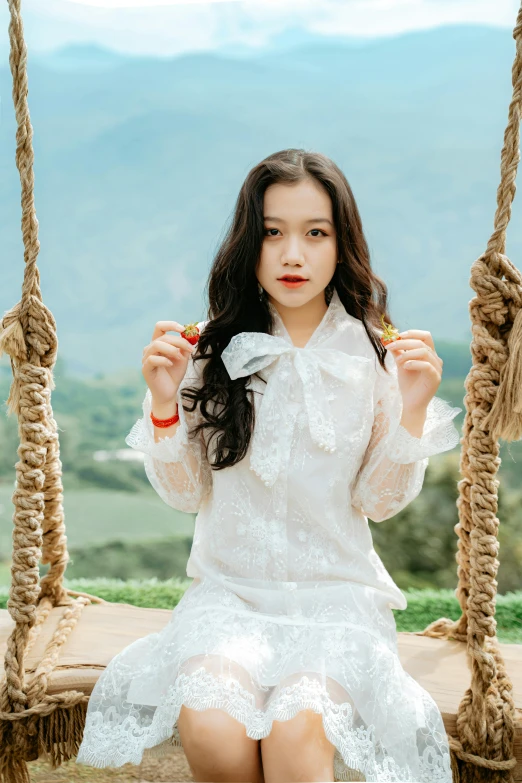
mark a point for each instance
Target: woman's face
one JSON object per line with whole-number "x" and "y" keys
{"x": 299, "y": 239}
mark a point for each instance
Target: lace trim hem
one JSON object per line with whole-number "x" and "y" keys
{"x": 110, "y": 741}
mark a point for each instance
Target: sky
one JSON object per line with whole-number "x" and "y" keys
{"x": 171, "y": 27}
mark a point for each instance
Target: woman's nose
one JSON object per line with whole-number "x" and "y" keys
{"x": 293, "y": 251}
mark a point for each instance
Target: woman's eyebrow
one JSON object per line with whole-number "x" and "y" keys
{"x": 312, "y": 220}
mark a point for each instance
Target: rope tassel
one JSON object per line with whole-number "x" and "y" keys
{"x": 58, "y": 736}
{"x": 12, "y": 342}
{"x": 505, "y": 418}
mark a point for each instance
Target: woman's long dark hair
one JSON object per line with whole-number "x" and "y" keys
{"x": 226, "y": 406}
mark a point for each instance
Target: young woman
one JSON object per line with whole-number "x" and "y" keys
{"x": 295, "y": 426}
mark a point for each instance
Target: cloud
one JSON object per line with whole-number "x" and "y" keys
{"x": 170, "y": 27}
{"x": 149, "y": 4}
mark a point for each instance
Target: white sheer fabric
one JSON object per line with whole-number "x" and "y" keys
{"x": 290, "y": 607}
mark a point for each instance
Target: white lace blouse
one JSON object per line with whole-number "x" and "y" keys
{"x": 327, "y": 452}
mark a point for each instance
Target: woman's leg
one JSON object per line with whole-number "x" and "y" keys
{"x": 217, "y": 747}
{"x": 297, "y": 750}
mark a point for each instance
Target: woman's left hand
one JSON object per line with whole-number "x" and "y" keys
{"x": 419, "y": 368}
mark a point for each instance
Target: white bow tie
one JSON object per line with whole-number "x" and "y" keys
{"x": 249, "y": 352}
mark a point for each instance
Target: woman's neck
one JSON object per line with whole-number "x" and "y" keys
{"x": 301, "y": 322}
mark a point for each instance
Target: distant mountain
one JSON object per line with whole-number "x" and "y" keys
{"x": 139, "y": 162}
{"x": 287, "y": 41}
{"x": 93, "y": 57}
{"x": 85, "y": 57}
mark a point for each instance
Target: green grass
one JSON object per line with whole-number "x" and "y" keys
{"x": 424, "y": 606}
{"x": 97, "y": 515}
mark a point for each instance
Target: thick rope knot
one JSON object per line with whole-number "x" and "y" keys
{"x": 498, "y": 342}
{"x": 22, "y": 329}
{"x": 41, "y": 331}
{"x": 29, "y": 324}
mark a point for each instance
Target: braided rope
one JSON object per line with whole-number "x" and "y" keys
{"x": 485, "y": 720}
{"x": 493, "y": 401}
{"x": 28, "y": 336}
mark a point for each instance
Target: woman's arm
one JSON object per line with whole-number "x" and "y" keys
{"x": 392, "y": 471}
{"x": 175, "y": 465}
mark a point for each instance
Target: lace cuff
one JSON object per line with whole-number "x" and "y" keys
{"x": 168, "y": 449}
{"x": 439, "y": 434}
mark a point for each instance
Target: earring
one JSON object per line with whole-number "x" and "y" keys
{"x": 261, "y": 291}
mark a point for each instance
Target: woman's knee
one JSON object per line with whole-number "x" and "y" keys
{"x": 217, "y": 746}
{"x": 305, "y": 727}
{"x": 298, "y": 747}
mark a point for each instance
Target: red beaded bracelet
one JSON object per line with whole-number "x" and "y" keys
{"x": 165, "y": 422}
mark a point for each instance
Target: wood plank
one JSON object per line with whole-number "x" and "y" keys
{"x": 441, "y": 667}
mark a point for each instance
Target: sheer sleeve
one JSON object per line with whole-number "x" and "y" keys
{"x": 392, "y": 471}
{"x": 176, "y": 466}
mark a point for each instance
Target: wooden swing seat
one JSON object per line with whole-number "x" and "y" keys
{"x": 441, "y": 667}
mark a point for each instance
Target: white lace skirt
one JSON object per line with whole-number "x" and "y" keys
{"x": 332, "y": 649}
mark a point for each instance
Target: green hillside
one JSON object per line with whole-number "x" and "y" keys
{"x": 95, "y": 515}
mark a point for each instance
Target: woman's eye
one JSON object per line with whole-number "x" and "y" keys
{"x": 276, "y": 229}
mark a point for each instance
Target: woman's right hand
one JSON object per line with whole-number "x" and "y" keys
{"x": 165, "y": 361}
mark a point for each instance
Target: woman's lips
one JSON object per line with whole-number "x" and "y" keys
{"x": 293, "y": 283}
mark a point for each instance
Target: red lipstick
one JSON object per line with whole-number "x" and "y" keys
{"x": 292, "y": 281}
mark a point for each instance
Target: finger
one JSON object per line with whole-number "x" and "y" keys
{"x": 160, "y": 348}
{"x": 420, "y": 353}
{"x": 167, "y": 339}
{"x": 174, "y": 339}
{"x": 158, "y": 361}
{"x": 172, "y": 342}
{"x": 425, "y": 357}
{"x": 406, "y": 343}
{"x": 418, "y": 334}
{"x": 417, "y": 364}
{"x": 415, "y": 348}
{"x": 422, "y": 366}
{"x": 166, "y": 326}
